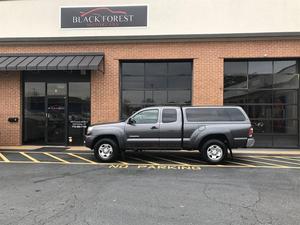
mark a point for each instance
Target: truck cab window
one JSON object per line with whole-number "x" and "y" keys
{"x": 147, "y": 116}
{"x": 169, "y": 115}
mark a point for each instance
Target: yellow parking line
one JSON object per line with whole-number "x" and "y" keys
{"x": 286, "y": 161}
{"x": 79, "y": 157}
{"x": 142, "y": 160}
{"x": 4, "y": 158}
{"x": 109, "y": 164}
{"x": 186, "y": 158}
{"x": 293, "y": 158}
{"x": 261, "y": 162}
{"x": 242, "y": 164}
{"x": 29, "y": 157}
{"x": 54, "y": 157}
{"x": 122, "y": 162}
{"x": 199, "y": 161}
{"x": 169, "y": 160}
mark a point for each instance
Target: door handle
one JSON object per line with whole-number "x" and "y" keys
{"x": 154, "y": 127}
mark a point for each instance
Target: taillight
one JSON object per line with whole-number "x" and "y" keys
{"x": 250, "y": 132}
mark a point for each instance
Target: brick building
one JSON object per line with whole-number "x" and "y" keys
{"x": 73, "y": 64}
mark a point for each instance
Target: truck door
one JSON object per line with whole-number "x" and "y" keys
{"x": 170, "y": 128}
{"x": 143, "y": 130}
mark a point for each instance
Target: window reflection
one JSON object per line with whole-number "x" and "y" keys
{"x": 285, "y": 67}
{"x": 235, "y": 68}
{"x": 235, "y": 82}
{"x": 160, "y": 83}
{"x": 260, "y": 67}
{"x": 268, "y": 91}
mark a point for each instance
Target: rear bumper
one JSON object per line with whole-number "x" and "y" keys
{"x": 250, "y": 142}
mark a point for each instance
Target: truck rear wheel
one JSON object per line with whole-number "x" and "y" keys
{"x": 106, "y": 150}
{"x": 214, "y": 151}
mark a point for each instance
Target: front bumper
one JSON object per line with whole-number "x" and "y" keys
{"x": 89, "y": 140}
{"x": 250, "y": 142}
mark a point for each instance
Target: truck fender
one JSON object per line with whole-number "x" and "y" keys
{"x": 204, "y": 131}
{"x": 115, "y": 132}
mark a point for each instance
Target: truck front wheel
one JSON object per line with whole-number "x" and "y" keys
{"x": 214, "y": 151}
{"x": 106, "y": 150}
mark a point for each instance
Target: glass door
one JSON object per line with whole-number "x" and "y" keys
{"x": 78, "y": 111}
{"x": 56, "y": 107}
{"x": 34, "y": 113}
{"x": 56, "y": 113}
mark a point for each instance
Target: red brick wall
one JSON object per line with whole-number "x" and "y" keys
{"x": 208, "y": 60}
{"x": 10, "y": 133}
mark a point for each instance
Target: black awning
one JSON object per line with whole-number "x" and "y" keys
{"x": 85, "y": 61}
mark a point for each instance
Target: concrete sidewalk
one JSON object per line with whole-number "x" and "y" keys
{"x": 39, "y": 147}
{"x": 266, "y": 151}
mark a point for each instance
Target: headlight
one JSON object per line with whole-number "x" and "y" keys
{"x": 89, "y": 130}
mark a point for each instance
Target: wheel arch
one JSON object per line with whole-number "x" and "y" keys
{"x": 220, "y": 137}
{"x": 108, "y": 136}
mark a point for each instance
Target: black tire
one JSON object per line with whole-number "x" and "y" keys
{"x": 109, "y": 150}
{"x": 208, "y": 153}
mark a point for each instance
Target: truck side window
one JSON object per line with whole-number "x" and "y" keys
{"x": 147, "y": 116}
{"x": 214, "y": 114}
{"x": 169, "y": 115}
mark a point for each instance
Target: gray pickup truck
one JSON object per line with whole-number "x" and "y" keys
{"x": 211, "y": 130}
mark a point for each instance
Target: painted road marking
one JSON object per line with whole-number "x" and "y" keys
{"x": 29, "y": 157}
{"x": 157, "y": 161}
{"x": 84, "y": 159}
{"x": 261, "y": 162}
{"x": 4, "y": 158}
{"x": 169, "y": 167}
{"x": 122, "y": 162}
{"x": 280, "y": 160}
{"x": 241, "y": 164}
{"x": 190, "y": 159}
{"x": 55, "y": 157}
{"x": 161, "y": 166}
{"x": 170, "y": 160}
{"x": 143, "y": 160}
{"x": 291, "y": 158}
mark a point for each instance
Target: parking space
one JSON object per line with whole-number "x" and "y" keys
{"x": 152, "y": 160}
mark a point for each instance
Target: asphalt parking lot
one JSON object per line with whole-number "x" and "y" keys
{"x": 151, "y": 160}
{"x": 70, "y": 187}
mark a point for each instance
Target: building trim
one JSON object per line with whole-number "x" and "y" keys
{"x": 187, "y": 37}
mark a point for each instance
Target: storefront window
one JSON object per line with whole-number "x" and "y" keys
{"x": 155, "y": 83}
{"x": 268, "y": 91}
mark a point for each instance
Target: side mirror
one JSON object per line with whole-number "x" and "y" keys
{"x": 131, "y": 121}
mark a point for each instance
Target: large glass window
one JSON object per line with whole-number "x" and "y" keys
{"x": 152, "y": 83}
{"x": 268, "y": 92}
